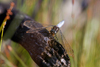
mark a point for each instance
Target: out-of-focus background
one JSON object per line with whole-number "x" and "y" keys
{"x": 81, "y": 29}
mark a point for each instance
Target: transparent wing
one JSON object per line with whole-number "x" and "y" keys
{"x": 65, "y": 44}
{"x": 36, "y": 29}
{"x": 30, "y": 25}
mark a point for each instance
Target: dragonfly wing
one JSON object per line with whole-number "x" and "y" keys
{"x": 30, "y": 25}
{"x": 30, "y": 31}
{"x": 65, "y": 44}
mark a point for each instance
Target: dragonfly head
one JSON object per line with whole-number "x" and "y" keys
{"x": 54, "y": 30}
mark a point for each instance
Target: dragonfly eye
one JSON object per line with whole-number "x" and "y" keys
{"x": 57, "y": 29}
{"x": 55, "y": 32}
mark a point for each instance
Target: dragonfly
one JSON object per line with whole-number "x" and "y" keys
{"x": 54, "y": 30}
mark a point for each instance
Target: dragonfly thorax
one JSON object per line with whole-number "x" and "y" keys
{"x": 54, "y": 30}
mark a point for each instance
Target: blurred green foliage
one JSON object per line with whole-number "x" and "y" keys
{"x": 82, "y": 32}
